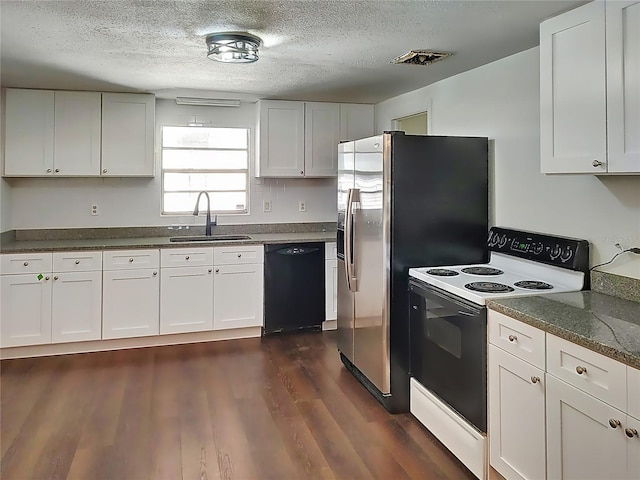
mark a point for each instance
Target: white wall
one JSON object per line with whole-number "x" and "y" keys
{"x": 65, "y": 202}
{"x": 501, "y": 101}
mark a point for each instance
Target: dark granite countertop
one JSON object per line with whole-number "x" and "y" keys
{"x": 606, "y": 324}
{"x": 27, "y": 246}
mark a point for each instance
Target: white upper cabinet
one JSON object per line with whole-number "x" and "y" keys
{"x": 589, "y": 90}
{"x": 300, "y": 139}
{"x": 29, "y": 117}
{"x": 321, "y": 138}
{"x": 77, "y": 133}
{"x": 356, "y": 121}
{"x": 61, "y": 133}
{"x": 128, "y": 125}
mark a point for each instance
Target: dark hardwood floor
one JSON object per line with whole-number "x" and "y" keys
{"x": 281, "y": 407}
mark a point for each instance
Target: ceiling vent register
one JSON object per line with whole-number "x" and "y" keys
{"x": 420, "y": 57}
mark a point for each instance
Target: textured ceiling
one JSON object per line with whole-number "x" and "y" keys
{"x": 322, "y": 50}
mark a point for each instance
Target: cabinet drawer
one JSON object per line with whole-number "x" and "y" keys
{"x": 237, "y": 255}
{"x": 522, "y": 340}
{"x": 330, "y": 251}
{"x": 602, "y": 377}
{"x": 633, "y": 392}
{"x": 129, "y": 259}
{"x": 77, "y": 261}
{"x": 186, "y": 257}
{"x": 25, "y": 263}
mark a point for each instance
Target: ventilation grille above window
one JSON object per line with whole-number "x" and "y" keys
{"x": 420, "y": 57}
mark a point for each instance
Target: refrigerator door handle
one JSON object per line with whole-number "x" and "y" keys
{"x": 347, "y": 240}
{"x": 354, "y": 198}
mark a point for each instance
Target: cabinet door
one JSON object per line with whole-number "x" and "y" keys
{"x": 130, "y": 303}
{"x": 28, "y": 132}
{"x": 77, "y": 306}
{"x": 516, "y": 417}
{"x": 281, "y": 139}
{"x": 331, "y": 289}
{"x": 321, "y": 138}
{"x": 356, "y": 121}
{"x": 128, "y": 125}
{"x": 623, "y": 86}
{"x": 633, "y": 392}
{"x": 238, "y": 296}
{"x": 581, "y": 444}
{"x": 632, "y": 431}
{"x": 25, "y": 310}
{"x": 77, "y": 133}
{"x": 186, "y": 299}
{"x": 573, "y": 91}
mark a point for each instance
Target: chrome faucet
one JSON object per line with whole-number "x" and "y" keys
{"x": 196, "y": 211}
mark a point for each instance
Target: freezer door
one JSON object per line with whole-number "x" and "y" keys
{"x": 345, "y": 178}
{"x": 344, "y": 337}
{"x": 371, "y": 263}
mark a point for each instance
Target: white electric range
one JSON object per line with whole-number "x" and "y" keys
{"x": 448, "y": 329}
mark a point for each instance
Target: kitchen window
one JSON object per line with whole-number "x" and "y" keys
{"x": 215, "y": 160}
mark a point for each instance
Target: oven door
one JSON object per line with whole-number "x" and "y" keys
{"x": 448, "y": 339}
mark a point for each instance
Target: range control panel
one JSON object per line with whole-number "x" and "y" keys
{"x": 565, "y": 252}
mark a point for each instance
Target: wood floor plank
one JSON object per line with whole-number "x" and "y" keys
{"x": 275, "y": 407}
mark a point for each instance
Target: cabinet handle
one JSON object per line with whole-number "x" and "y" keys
{"x": 239, "y": 255}
{"x": 26, "y": 264}
{"x": 131, "y": 260}
{"x": 155, "y": 273}
{"x": 217, "y": 270}
{"x": 613, "y": 423}
{"x": 301, "y": 172}
{"x": 512, "y": 338}
{"x": 631, "y": 432}
{"x": 581, "y": 370}
{"x": 57, "y": 170}
{"x": 104, "y": 170}
{"x": 48, "y": 170}
{"x": 187, "y": 257}
{"x": 55, "y": 278}
{"x": 77, "y": 262}
{"x": 210, "y": 270}
{"x": 535, "y": 379}
{"x": 596, "y": 163}
{"x": 46, "y": 278}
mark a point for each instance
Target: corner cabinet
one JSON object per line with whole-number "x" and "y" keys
{"x": 300, "y": 139}
{"x": 78, "y": 134}
{"x": 590, "y": 90}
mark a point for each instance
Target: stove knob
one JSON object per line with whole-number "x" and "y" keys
{"x": 567, "y": 254}
{"x": 555, "y": 252}
{"x": 503, "y": 241}
{"x": 538, "y": 248}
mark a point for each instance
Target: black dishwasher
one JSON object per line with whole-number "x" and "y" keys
{"x": 294, "y": 296}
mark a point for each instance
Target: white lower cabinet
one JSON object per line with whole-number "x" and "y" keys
{"x": 632, "y": 432}
{"x": 25, "y": 309}
{"x": 331, "y": 289}
{"x": 516, "y": 416}
{"x": 585, "y": 436}
{"x": 76, "y": 307}
{"x": 186, "y": 299}
{"x": 238, "y": 298}
{"x": 130, "y": 293}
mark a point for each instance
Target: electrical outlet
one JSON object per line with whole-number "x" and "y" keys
{"x": 302, "y": 206}
{"x": 266, "y": 206}
{"x": 94, "y": 209}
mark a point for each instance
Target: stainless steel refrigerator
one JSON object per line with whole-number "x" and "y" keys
{"x": 403, "y": 201}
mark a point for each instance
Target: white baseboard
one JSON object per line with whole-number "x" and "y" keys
{"x": 123, "y": 343}
{"x": 455, "y": 433}
{"x": 330, "y": 325}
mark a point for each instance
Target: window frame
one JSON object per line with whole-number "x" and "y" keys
{"x": 248, "y": 170}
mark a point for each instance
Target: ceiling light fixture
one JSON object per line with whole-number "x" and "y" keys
{"x": 209, "y": 102}
{"x": 233, "y": 47}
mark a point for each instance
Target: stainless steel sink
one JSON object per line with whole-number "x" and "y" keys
{"x": 210, "y": 238}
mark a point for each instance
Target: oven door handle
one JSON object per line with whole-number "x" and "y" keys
{"x": 467, "y": 314}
